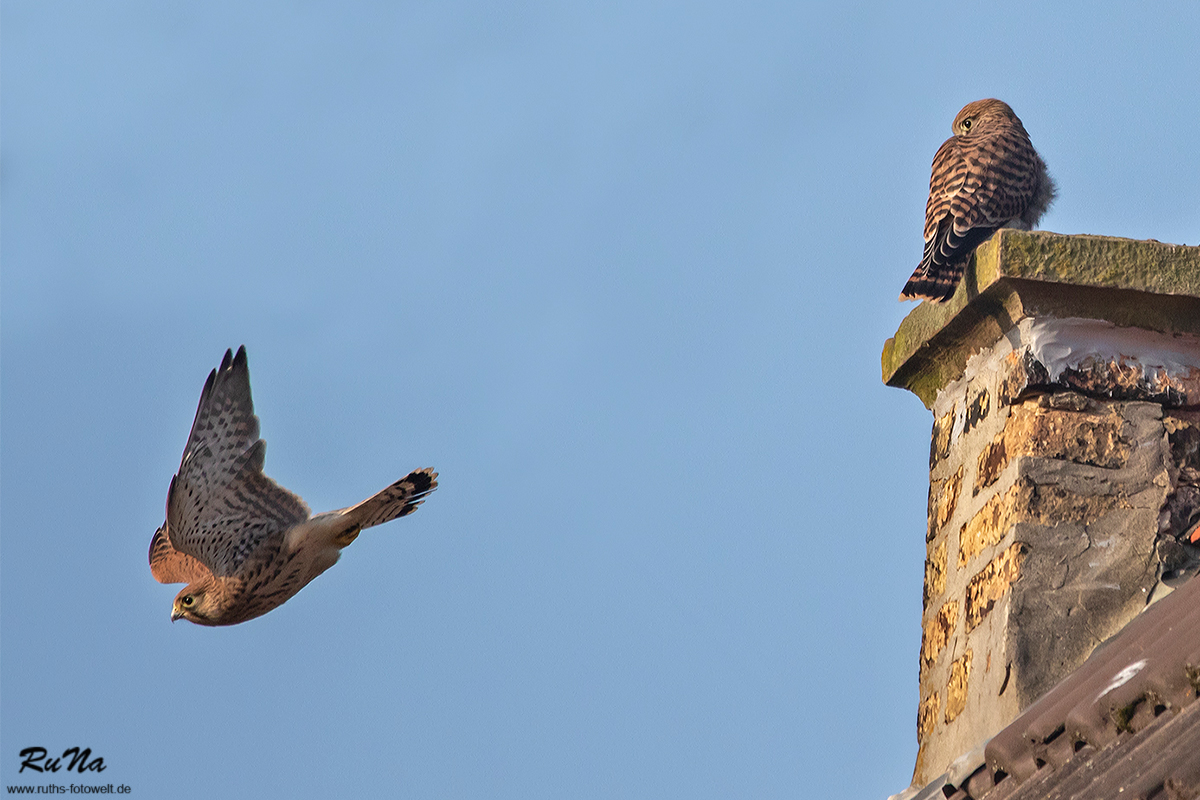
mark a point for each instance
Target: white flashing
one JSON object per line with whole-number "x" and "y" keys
{"x": 1062, "y": 344}
{"x": 1076, "y": 342}
{"x": 1123, "y": 677}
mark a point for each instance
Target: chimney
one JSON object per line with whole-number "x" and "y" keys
{"x": 1064, "y": 466}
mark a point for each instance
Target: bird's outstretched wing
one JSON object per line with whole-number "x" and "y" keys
{"x": 221, "y": 507}
{"x": 168, "y": 565}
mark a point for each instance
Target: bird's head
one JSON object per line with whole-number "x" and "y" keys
{"x": 198, "y": 603}
{"x": 981, "y": 115}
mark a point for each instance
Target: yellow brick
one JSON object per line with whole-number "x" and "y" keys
{"x": 947, "y": 500}
{"x": 992, "y": 462}
{"x": 977, "y": 409}
{"x": 1026, "y": 501}
{"x": 927, "y": 715}
{"x": 935, "y": 574}
{"x": 940, "y": 440}
{"x": 956, "y": 687}
{"x": 988, "y": 526}
{"x": 991, "y": 583}
{"x": 1085, "y": 437}
{"x": 936, "y": 633}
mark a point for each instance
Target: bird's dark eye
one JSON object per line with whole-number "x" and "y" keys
{"x": 966, "y": 124}
{"x": 188, "y": 600}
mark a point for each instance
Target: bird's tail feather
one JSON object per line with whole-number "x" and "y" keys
{"x": 936, "y": 286}
{"x": 397, "y": 500}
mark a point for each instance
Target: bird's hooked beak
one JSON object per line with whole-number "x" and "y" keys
{"x": 176, "y": 613}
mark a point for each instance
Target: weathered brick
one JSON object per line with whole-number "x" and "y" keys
{"x": 956, "y": 687}
{"x": 1179, "y": 515}
{"x": 1027, "y": 501}
{"x": 1052, "y": 428}
{"x": 991, "y": 463}
{"x": 947, "y": 501}
{"x": 989, "y": 525}
{"x": 1020, "y": 371}
{"x": 935, "y": 492}
{"x": 1050, "y": 504}
{"x": 937, "y": 633}
{"x": 991, "y": 583}
{"x": 927, "y": 715}
{"x": 978, "y": 407}
{"x": 1092, "y": 438}
{"x": 939, "y": 442}
{"x": 935, "y": 574}
{"x": 1123, "y": 379}
{"x": 1183, "y": 435}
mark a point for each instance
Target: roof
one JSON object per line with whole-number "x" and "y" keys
{"x": 1126, "y": 723}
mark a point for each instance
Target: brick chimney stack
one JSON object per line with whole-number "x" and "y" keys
{"x": 1064, "y": 467}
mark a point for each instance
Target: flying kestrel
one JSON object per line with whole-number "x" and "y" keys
{"x": 985, "y": 177}
{"x": 241, "y": 542}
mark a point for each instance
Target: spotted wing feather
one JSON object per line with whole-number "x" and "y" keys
{"x": 221, "y": 507}
{"x": 168, "y": 565}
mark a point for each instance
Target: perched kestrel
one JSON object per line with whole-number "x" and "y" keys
{"x": 985, "y": 177}
{"x": 241, "y": 542}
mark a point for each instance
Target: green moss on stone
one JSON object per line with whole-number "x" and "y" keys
{"x": 1015, "y": 274}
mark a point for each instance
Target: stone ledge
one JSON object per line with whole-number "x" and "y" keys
{"x": 1018, "y": 274}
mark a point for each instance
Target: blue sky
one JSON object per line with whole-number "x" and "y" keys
{"x": 621, "y": 272}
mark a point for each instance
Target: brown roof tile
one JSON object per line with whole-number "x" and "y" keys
{"x": 1161, "y": 761}
{"x": 1151, "y": 666}
{"x": 1125, "y": 724}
